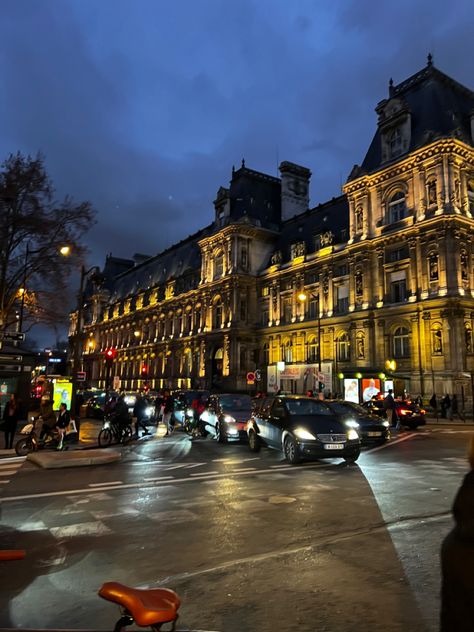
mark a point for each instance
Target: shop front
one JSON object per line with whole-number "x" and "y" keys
{"x": 299, "y": 378}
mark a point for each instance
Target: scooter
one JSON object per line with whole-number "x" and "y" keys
{"x": 32, "y": 443}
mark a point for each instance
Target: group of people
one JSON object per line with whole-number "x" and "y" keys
{"x": 448, "y": 406}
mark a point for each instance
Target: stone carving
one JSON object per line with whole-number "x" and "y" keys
{"x": 464, "y": 260}
{"x": 361, "y": 346}
{"x": 276, "y": 258}
{"x": 431, "y": 190}
{"x": 327, "y": 238}
{"x": 326, "y": 284}
{"x": 359, "y": 219}
{"x": 468, "y": 339}
{"x": 433, "y": 267}
{"x": 298, "y": 249}
{"x": 359, "y": 284}
{"x": 437, "y": 341}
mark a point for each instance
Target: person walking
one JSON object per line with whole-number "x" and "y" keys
{"x": 11, "y": 417}
{"x": 434, "y": 404}
{"x": 168, "y": 408}
{"x": 389, "y": 407}
{"x": 64, "y": 419}
{"x": 139, "y": 414}
{"x": 457, "y": 560}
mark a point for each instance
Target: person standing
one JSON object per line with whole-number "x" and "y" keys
{"x": 11, "y": 417}
{"x": 447, "y": 405}
{"x": 389, "y": 407}
{"x": 168, "y": 408}
{"x": 64, "y": 419}
{"x": 139, "y": 413}
{"x": 457, "y": 560}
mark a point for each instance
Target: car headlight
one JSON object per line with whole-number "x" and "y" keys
{"x": 385, "y": 423}
{"x": 190, "y": 412}
{"x": 130, "y": 400}
{"x": 352, "y": 434}
{"x": 350, "y": 423}
{"x": 229, "y": 420}
{"x": 303, "y": 434}
{"x": 149, "y": 411}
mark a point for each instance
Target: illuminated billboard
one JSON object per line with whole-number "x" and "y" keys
{"x": 62, "y": 393}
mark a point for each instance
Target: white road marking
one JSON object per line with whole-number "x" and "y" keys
{"x": 204, "y": 473}
{"x": 392, "y": 442}
{"x": 107, "y": 483}
{"x": 175, "y": 467}
{"x": 244, "y": 469}
{"x": 189, "y": 467}
{"x": 13, "y": 459}
{"x": 4, "y": 482}
{"x": 158, "y": 478}
{"x": 83, "y": 528}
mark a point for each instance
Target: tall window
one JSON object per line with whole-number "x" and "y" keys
{"x": 266, "y": 354}
{"x": 288, "y": 352}
{"x": 287, "y": 309}
{"x": 395, "y": 143}
{"x": 265, "y": 316}
{"x": 342, "y": 304}
{"x": 398, "y": 287}
{"x": 343, "y": 348}
{"x": 313, "y": 308}
{"x": 198, "y": 317}
{"x": 312, "y": 350}
{"x": 217, "y": 315}
{"x": 437, "y": 340}
{"x": 397, "y": 208}
{"x": 219, "y": 265}
{"x": 470, "y": 195}
{"x": 401, "y": 343}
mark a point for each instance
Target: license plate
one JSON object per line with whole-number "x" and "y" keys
{"x": 374, "y": 434}
{"x": 333, "y": 446}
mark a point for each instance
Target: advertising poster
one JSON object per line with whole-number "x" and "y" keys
{"x": 370, "y": 388}
{"x": 62, "y": 393}
{"x": 388, "y": 384}
{"x": 351, "y": 390}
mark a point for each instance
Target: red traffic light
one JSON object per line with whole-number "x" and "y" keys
{"x": 110, "y": 354}
{"x": 144, "y": 369}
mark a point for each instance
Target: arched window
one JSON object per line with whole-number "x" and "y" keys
{"x": 395, "y": 143}
{"x": 396, "y": 208}
{"x": 433, "y": 266}
{"x": 266, "y": 354}
{"x": 288, "y": 352}
{"x": 401, "y": 343}
{"x": 343, "y": 348}
{"x": 312, "y": 355}
{"x": 217, "y": 313}
{"x": 437, "y": 339}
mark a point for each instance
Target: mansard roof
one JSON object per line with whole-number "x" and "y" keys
{"x": 439, "y": 106}
{"x": 329, "y": 217}
{"x": 176, "y": 261}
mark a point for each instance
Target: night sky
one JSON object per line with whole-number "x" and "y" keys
{"x": 143, "y": 106}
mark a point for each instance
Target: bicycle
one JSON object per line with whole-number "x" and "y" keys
{"x": 145, "y": 607}
{"x": 111, "y": 430}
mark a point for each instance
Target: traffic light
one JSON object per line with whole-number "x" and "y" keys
{"x": 144, "y": 370}
{"x": 109, "y": 356}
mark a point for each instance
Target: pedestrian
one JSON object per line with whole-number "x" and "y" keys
{"x": 457, "y": 560}
{"x": 455, "y": 408}
{"x": 64, "y": 419}
{"x": 419, "y": 400}
{"x": 139, "y": 412}
{"x": 48, "y": 417}
{"x": 11, "y": 417}
{"x": 434, "y": 404}
{"x": 168, "y": 409}
{"x": 447, "y": 403}
{"x": 389, "y": 407}
{"x": 121, "y": 415}
{"x": 77, "y": 412}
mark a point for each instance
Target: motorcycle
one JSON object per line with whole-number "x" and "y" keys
{"x": 31, "y": 441}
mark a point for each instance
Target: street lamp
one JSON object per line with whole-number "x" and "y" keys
{"x": 302, "y": 297}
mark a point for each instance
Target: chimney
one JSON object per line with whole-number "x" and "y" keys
{"x": 294, "y": 189}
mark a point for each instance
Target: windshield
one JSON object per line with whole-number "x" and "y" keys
{"x": 307, "y": 407}
{"x": 236, "y": 403}
{"x": 344, "y": 408}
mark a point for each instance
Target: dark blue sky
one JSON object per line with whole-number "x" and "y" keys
{"x": 142, "y": 106}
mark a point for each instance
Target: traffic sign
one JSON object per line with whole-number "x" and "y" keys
{"x": 258, "y": 375}
{"x": 12, "y": 335}
{"x": 250, "y": 376}
{"x": 81, "y": 376}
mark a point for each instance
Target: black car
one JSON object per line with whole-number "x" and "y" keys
{"x": 226, "y": 416}
{"x": 302, "y": 427}
{"x": 371, "y": 428}
{"x": 410, "y": 414}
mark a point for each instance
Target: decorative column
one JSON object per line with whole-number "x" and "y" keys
{"x": 202, "y": 359}
{"x": 226, "y": 356}
{"x": 380, "y": 284}
{"x": 413, "y": 270}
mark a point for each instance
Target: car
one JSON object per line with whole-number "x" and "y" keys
{"x": 225, "y": 417}
{"x": 411, "y": 415}
{"x": 95, "y": 406}
{"x": 302, "y": 427}
{"x": 372, "y": 428}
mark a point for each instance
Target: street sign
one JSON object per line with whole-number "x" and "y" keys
{"x": 81, "y": 376}
{"x": 258, "y": 375}
{"x": 250, "y": 376}
{"x": 12, "y": 335}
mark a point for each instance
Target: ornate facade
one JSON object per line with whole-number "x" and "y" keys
{"x": 376, "y": 283}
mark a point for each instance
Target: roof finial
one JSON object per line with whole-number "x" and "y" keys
{"x": 243, "y": 163}
{"x": 390, "y": 87}
{"x": 233, "y": 169}
{"x": 430, "y": 59}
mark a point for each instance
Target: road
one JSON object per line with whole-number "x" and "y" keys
{"x": 250, "y": 543}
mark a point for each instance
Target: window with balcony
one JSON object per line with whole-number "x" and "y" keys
{"x": 288, "y": 352}
{"x": 313, "y": 308}
{"x": 287, "y": 309}
{"x": 401, "y": 343}
{"x": 312, "y": 354}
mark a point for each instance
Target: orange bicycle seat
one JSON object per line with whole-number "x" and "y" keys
{"x": 146, "y": 606}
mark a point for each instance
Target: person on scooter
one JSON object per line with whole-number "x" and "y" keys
{"x": 48, "y": 418}
{"x": 63, "y": 422}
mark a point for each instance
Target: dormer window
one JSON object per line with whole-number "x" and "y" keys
{"x": 395, "y": 143}
{"x": 397, "y": 208}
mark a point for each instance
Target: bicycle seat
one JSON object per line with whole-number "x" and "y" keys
{"x": 146, "y": 606}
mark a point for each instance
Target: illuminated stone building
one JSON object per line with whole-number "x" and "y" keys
{"x": 376, "y": 283}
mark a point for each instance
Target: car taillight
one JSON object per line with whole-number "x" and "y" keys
{"x": 422, "y": 411}
{"x": 404, "y": 411}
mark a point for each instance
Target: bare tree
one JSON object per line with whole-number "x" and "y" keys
{"x": 33, "y": 228}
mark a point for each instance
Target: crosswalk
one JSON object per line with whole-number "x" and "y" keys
{"x": 9, "y": 466}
